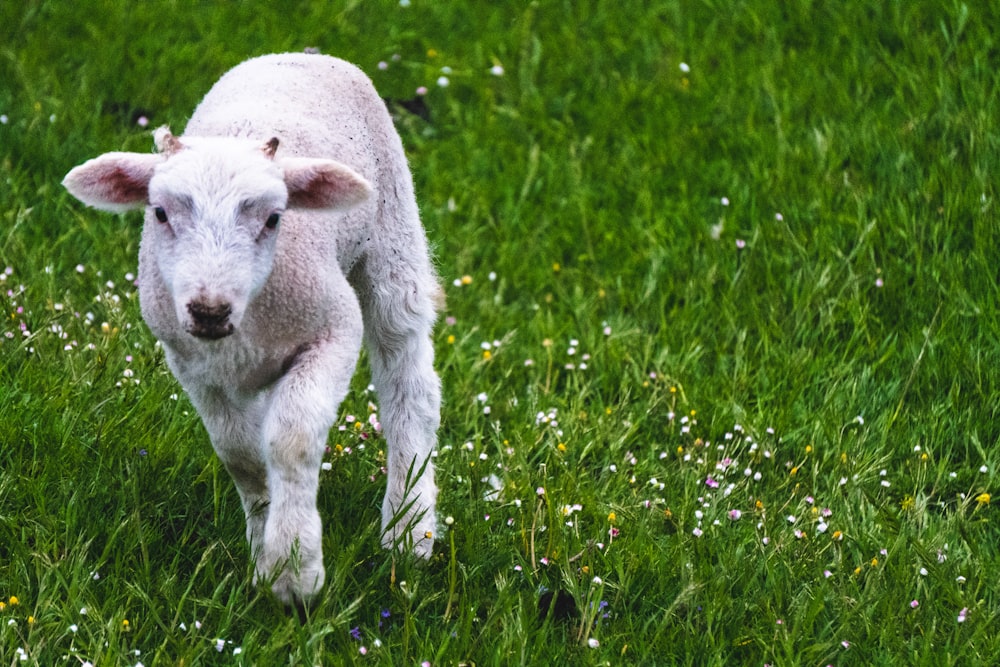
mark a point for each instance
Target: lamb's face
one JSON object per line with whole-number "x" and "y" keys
{"x": 214, "y": 212}
{"x": 213, "y": 206}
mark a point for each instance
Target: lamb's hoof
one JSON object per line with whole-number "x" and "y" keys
{"x": 419, "y": 542}
{"x": 296, "y": 590}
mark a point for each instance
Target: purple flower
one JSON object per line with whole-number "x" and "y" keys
{"x": 356, "y": 633}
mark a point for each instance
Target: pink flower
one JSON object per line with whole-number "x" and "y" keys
{"x": 914, "y": 604}
{"x": 711, "y": 483}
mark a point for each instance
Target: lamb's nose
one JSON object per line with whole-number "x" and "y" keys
{"x": 210, "y": 320}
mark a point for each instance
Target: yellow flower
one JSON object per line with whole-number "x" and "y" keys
{"x": 983, "y": 499}
{"x": 125, "y": 624}
{"x": 451, "y": 340}
{"x": 874, "y": 562}
{"x": 556, "y": 267}
{"x": 466, "y": 280}
{"x": 795, "y": 469}
{"x": 759, "y": 505}
{"x": 432, "y": 53}
{"x": 908, "y": 503}
{"x": 487, "y": 355}
{"x": 13, "y": 600}
{"x": 31, "y": 620}
{"x": 857, "y": 570}
{"x": 837, "y": 535}
{"x": 680, "y": 450}
{"x": 3, "y": 605}
{"x": 339, "y": 448}
{"x": 843, "y": 457}
{"x": 809, "y": 449}
{"x": 561, "y": 447}
{"x": 429, "y": 535}
{"x": 612, "y": 517}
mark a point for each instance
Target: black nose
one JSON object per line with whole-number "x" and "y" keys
{"x": 210, "y": 320}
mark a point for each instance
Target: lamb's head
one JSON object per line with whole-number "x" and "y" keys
{"x": 213, "y": 211}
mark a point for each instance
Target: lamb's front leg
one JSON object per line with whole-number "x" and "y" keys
{"x": 235, "y": 434}
{"x": 303, "y": 407}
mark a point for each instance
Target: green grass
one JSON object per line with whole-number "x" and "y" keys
{"x": 781, "y": 264}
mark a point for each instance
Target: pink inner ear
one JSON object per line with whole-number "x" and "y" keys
{"x": 114, "y": 181}
{"x": 125, "y": 186}
{"x": 324, "y": 185}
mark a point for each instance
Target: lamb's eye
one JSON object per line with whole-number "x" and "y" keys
{"x": 272, "y": 221}
{"x": 160, "y": 214}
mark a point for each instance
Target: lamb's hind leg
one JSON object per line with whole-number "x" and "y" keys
{"x": 399, "y": 309}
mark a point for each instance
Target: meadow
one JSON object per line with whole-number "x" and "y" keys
{"x": 720, "y": 352}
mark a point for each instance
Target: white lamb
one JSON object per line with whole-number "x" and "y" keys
{"x": 262, "y": 322}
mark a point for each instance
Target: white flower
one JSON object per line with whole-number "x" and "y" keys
{"x": 593, "y": 643}
{"x": 685, "y": 68}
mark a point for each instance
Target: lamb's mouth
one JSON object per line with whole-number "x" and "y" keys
{"x": 211, "y": 332}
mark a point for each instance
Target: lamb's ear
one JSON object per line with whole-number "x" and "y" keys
{"x": 115, "y": 182}
{"x": 316, "y": 183}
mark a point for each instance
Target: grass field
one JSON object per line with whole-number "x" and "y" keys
{"x": 720, "y": 354}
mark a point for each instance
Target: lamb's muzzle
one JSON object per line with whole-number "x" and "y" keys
{"x": 210, "y": 321}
